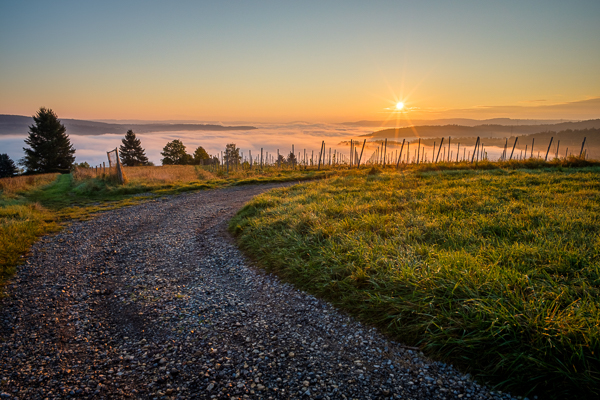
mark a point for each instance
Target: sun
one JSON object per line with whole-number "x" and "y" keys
{"x": 399, "y": 105}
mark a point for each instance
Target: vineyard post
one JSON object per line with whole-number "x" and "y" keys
{"x": 438, "y": 154}
{"x": 547, "y": 151}
{"x": 532, "y": 142}
{"x": 449, "y": 143}
{"x": 582, "y": 144}
{"x": 361, "y": 153}
{"x": 419, "y": 151}
{"x": 385, "y": 152}
{"x": 513, "y": 149}
{"x": 320, "y": 152}
{"x": 475, "y": 149}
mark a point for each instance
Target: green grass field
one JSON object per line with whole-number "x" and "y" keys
{"x": 497, "y": 271}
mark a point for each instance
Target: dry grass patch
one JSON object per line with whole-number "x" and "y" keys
{"x": 166, "y": 174}
{"x": 25, "y": 182}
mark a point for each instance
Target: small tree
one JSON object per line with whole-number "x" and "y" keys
{"x": 280, "y": 160}
{"x": 84, "y": 164}
{"x": 51, "y": 149}
{"x": 131, "y": 151}
{"x": 174, "y": 154}
{"x": 200, "y": 156}
{"x": 7, "y": 166}
{"x": 232, "y": 154}
{"x": 291, "y": 159}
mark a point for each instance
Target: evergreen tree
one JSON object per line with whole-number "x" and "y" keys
{"x": 51, "y": 149}
{"x": 200, "y": 156}
{"x": 7, "y": 166}
{"x": 131, "y": 151}
{"x": 174, "y": 154}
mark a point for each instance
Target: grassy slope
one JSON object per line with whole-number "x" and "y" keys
{"x": 497, "y": 271}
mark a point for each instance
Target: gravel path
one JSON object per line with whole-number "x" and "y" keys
{"x": 155, "y": 301}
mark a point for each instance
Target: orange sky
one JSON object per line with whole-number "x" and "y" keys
{"x": 312, "y": 61}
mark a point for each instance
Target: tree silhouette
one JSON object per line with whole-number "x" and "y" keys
{"x": 200, "y": 156}
{"x": 7, "y": 166}
{"x": 131, "y": 151}
{"x": 174, "y": 154}
{"x": 291, "y": 159}
{"x": 232, "y": 154}
{"x": 51, "y": 149}
{"x": 281, "y": 160}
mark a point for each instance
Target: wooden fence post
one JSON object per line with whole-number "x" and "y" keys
{"x": 513, "y": 149}
{"x": 438, "y": 154}
{"x": 361, "y": 153}
{"x": 120, "y": 173}
{"x": 475, "y": 149}
{"x": 582, "y": 144}
{"x": 400, "y": 156}
{"x": 547, "y": 151}
{"x": 320, "y": 152}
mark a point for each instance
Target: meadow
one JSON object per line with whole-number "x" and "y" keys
{"x": 494, "y": 267}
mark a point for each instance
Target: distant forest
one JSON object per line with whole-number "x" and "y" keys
{"x": 19, "y": 124}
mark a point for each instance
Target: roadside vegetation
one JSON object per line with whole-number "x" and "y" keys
{"x": 34, "y": 205}
{"x": 492, "y": 266}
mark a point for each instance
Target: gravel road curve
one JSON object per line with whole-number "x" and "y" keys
{"x": 156, "y": 301}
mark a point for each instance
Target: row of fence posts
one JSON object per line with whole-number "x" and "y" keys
{"x": 582, "y": 154}
{"x": 379, "y": 157}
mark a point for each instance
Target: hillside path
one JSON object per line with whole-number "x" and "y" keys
{"x": 156, "y": 301}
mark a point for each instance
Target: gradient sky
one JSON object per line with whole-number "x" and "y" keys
{"x": 274, "y": 61}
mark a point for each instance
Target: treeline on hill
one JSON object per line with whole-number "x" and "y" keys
{"x": 484, "y": 131}
{"x": 11, "y": 124}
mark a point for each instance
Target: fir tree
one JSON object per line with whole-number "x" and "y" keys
{"x": 7, "y": 166}
{"x": 51, "y": 149}
{"x": 131, "y": 151}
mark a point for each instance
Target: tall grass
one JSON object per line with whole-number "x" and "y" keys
{"x": 497, "y": 271}
{"x": 12, "y": 185}
{"x": 21, "y": 222}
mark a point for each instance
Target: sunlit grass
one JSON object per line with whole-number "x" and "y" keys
{"x": 16, "y": 184}
{"x": 497, "y": 271}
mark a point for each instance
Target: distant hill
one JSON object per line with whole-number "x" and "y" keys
{"x": 19, "y": 124}
{"x": 484, "y": 131}
{"x": 453, "y": 121}
{"x": 565, "y": 140}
